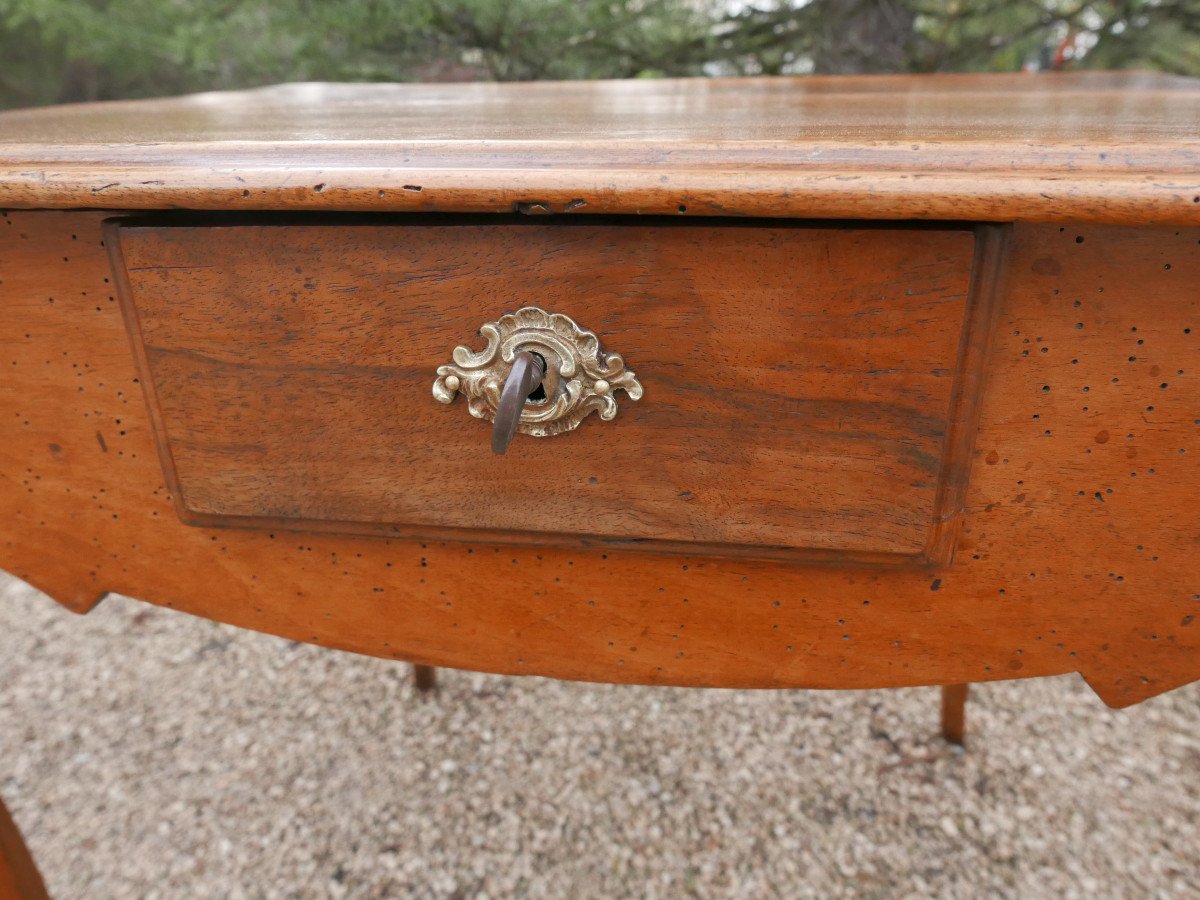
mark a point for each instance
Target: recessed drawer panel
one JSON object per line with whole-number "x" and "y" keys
{"x": 802, "y": 385}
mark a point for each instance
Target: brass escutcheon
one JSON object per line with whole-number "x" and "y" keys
{"x": 578, "y": 375}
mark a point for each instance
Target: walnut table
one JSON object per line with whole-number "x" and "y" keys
{"x": 814, "y": 383}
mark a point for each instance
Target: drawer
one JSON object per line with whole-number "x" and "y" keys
{"x": 809, "y": 391}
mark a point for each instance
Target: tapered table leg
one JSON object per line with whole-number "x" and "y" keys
{"x": 425, "y": 678}
{"x": 954, "y": 712}
{"x": 19, "y": 877}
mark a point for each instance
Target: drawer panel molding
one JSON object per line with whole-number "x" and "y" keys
{"x": 812, "y": 391}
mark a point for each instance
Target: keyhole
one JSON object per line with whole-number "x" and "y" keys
{"x": 538, "y": 394}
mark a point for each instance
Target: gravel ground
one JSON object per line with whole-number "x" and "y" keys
{"x": 148, "y": 753}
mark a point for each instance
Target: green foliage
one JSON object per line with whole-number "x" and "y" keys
{"x": 774, "y": 36}
{"x": 64, "y": 50}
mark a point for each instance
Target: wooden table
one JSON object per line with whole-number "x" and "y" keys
{"x": 893, "y": 379}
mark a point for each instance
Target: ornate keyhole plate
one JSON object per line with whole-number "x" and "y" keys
{"x": 580, "y": 376}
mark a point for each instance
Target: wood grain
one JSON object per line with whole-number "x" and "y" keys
{"x": 801, "y": 381}
{"x": 1098, "y": 147}
{"x": 1077, "y": 552}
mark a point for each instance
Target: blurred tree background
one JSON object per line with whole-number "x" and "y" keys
{"x": 68, "y": 50}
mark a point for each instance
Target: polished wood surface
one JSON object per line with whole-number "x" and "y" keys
{"x": 1076, "y": 552}
{"x": 799, "y": 380}
{"x": 1098, "y": 147}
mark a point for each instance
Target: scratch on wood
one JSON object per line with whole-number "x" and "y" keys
{"x": 532, "y": 207}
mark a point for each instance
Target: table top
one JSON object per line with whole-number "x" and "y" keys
{"x": 1113, "y": 147}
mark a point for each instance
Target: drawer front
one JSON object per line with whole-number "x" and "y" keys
{"x": 803, "y": 386}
